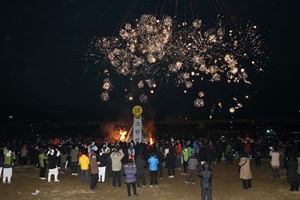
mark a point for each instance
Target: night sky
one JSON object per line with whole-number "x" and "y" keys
{"x": 43, "y": 74}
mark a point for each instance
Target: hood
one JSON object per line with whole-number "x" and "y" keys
{"x": 206, "y": 166}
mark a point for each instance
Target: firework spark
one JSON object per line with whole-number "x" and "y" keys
{"x": 158, "y": 51}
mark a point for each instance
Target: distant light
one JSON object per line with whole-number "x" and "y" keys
{"x": 10, "y": 117}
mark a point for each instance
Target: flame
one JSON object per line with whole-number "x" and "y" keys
{"x": 123, "y": 135}
{"x": 151, "y": 141}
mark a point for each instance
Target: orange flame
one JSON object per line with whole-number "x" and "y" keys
{"x": 151, "y": 141}
{"x": 123, "y": 135}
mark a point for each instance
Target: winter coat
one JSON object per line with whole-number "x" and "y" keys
{"x": 245, "y": 172}
{"x": 275, "y": 161}
{"x": 185, "y": 154}
{"x": 42, "y": 159}
{"x": 130, "y": 173}
{"x": 9, "y": 161}
{"x": 192, "y": 162}
{"x": 170, "y": 159}
{"x": 94, "y": 165}
{"x": 53, "y": 159}
{"x": 63, "y": 157}
{"x": 84, "y": 162}
{"x": 140, "y": 165}
{"x": 102, "y": 160}
{"x": 206, "y": 176}
{"x": 153, "y": 162}
{"x": 292, "y": 167}
{"x": 74, "y": 155}
{"x": 116, "y": 158}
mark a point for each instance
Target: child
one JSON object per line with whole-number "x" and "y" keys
{"x": 206, "y": 181}
{"x": 130, "y": 179}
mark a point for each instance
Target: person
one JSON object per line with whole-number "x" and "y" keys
{"x": 42, "y": 163}
{"x": 298, "y": 161}
{"x": 245, "y": 171}
{"x": 160, "y": 157}
{"x": 185, "y": 155}
{"x": 74, "y": 160}
{"x": 275, "y": 161}
{"x": 170, "y": 162}
{"x": 53, "y": 169}
{"x": 229, "y": 154}
{"x": 116, "y": 165}
{"x": 257, "y": 156}
{"x": 292, "y": 174}
{"x": 94, "y": 170}
{"x": 1, "y": 161}
{"x": 84, "y": 162}
{"x": 24, "y": 155}
{"x": 206, "y": 175}
{"x": 101, "y": 167}
{"x": 130, "y": 172}
{"x": 63, "y": 161}
{"x": 153, "y": 166}
{"x": 192, "y": 167}
{"x": 9, "y": 160}
{"x": 140, "y": 166}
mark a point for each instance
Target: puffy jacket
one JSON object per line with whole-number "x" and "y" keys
{"x": 206, "y": 176}
{"x": 130, "y": 173}
{"x": 116, "y": 161}
{"x": 153, "y": 162}
{"x": 192, "y": 162}
{"x": 84, "y": 162}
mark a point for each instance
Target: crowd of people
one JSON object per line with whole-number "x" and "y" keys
{"x": 98, "y": 160}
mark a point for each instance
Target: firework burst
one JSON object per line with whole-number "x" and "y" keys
{"x": 156, "y": 52}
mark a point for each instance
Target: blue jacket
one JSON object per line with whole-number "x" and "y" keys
{"x": 153, "y": 162}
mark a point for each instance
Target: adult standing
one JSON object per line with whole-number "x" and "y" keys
{"x": 1, "y": 162}
{"x": 153, "y": 166}
{"x": 84, "y": 162}
{"x": 229, "y": 154}
{"x": 101, "y": 167}
{"x": 245, "y": 171}
{"x": 298, "y": 161}
{"x": 160, "y": 157}
{"x": 206, "y": 181}
{"x": 170, "y": 162}
{"x": 24, "y": 155}
{"x": 42, "y": 163}
{"x": 53, "y": 169}
{"x": 130, "y": 172}
{"x": 116, "y": 166}
{"x": 74, "y": 160}
{"x": 185, "y": 155}
{"x": 94, "y": 170}
{"x": 275, "y": 161}
{"x": 9, "y": 160}
{"x": 192, "y": 167}
{"x": 292, "y": 174}
{"x": 140, "y": 166}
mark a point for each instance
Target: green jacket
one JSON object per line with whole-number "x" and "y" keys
{"x": 185, "y": 154}
{"x": 42, "y": 158}
{"x": 9, "y": 161}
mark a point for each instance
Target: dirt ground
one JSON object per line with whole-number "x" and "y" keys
{"x": 226, "y": 186}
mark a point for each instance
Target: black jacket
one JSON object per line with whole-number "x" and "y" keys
{"x": 206, "y": 176}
